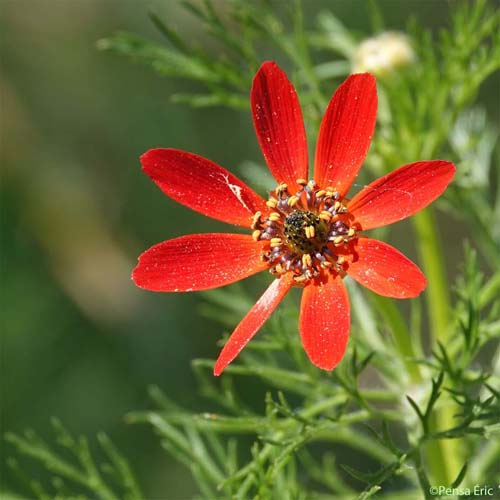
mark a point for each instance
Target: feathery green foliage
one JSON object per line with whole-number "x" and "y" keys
{"x": 76, "y": 474}
{"x": 417, "y": 418}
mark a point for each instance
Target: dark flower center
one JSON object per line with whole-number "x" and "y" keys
{"x": 305, "y": 231}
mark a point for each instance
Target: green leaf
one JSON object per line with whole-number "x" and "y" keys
{"x": 460, "y": 477}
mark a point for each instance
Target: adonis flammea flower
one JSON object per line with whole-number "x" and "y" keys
{"x": 308, "y": 234}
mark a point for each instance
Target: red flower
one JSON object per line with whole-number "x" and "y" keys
{"x": 308, "y": 233}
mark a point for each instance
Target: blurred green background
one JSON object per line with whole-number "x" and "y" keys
{"x": 79, "y": 341}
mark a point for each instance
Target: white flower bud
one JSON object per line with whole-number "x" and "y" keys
{"x": 382, "y": 54}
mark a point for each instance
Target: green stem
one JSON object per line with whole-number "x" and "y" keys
{"x": 300, "y": 53}
{"x": 490, "y": 290}
{"x": 438, "y": 301}
{"x": 443, "y": 456}
{"x": 401, "y": 335}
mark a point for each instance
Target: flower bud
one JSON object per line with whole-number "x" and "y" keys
{"x": 384, "y": 53}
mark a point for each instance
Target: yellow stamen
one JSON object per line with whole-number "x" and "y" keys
{"x": 351, "y": 232}
{"x": 312, "y": 232}
{"x": 279, "y": 268}
{"x": 275, "y": 242}
{"x": 301, "y": 182}
{"x": 256, "y": 234}
{"x": 274, "y": 216}
{"x": 306, "y": 260}
{"x": 272, "y": 203}
{"x": 327, "y": 264}
{"x": 320, "y": 193}
{"x": 325, "y": 215}
{"x": 282, "y": 187}
{"x": 337, "y": 205}
{"x": 256, "y": 219}
{"x": 299, "y": 279}
{"x": 293, "y": 200}
{"x": 338, "y": 240}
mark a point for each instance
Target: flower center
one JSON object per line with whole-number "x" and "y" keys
{"x": 306, "y": 231}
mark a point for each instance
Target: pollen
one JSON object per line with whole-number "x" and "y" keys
{"x": 256, "y": 219}
{"x": 325, "y": 215}
{"x": 306, "y": 260}
{"x": 256, "y": 234}
{"x": 281, "y": 188}
{"x": 310, "y": 232}
{"x": 303, "y": 231}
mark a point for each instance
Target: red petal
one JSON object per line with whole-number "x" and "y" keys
{"x": 252, "y": 322}
{"x": 278, "y": 123}
{"x": 198, "y": 262}
{"x": 385, "y": 270}
{"x": 324, "y": 322}
{"x": 401, "y": 193}
{"x": 202, "y": 185}
{"x": 346, "y": 133}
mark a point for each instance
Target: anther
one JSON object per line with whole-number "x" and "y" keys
{"x": 325, "y": 215}
{"x": 338, "y": 240}
{"x": 275, "y": 242}
{"x": 274, "y": 216}
{"x": 300, "y": 279}
{"x": 256, "y": 219}
{"x": 337, "y": 205}
{"x": 320, "y": 193}
{"x": 271, "y": 203}
{"x": 282, "y": 187}
{"x": 351, "y": 232}
{"x": 301, "y": 182}
{"x": 293, "y": 200}
{"x": 310, "y": 232}
{"x": 256, "y": 234}
{"x": 306, "y": 260}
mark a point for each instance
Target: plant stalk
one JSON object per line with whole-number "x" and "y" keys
{"x": 442, "y": 456}
{"x": 401, "y": 335}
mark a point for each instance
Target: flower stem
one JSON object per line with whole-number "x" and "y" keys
{"x": 401, "y": 335}
{"x": 443, "y": 456}
{"x": 430, "y": 249}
